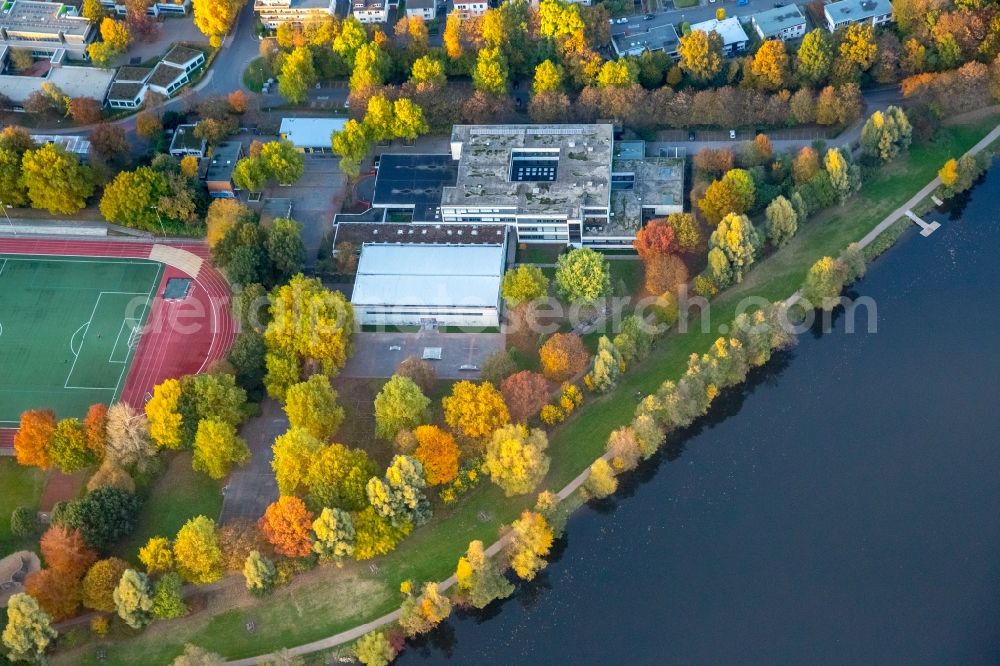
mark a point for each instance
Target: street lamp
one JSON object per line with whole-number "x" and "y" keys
{"x": 9, "y": 223}
{"x": 157, "y": 211}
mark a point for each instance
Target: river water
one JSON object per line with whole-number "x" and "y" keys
{"x": 841, "y": 508}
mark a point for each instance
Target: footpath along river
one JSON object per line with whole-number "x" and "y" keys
{"x": 840, "y": 508}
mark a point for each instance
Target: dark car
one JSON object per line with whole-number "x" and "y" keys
{"x": 650, "y": 17}
{"x": 691, "y": 135}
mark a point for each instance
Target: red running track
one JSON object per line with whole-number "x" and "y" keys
{"x": 180, "y": 337}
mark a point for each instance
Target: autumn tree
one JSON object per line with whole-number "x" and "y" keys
{"x": 770, "y": 65}
{"x": 633, "y": 342}
{"x": 607, "y": 366}
{"x": 399, "y": 405}
{"x": 857, "y": 48}
{"x": 885, "y": 135}
{"x": 337, "y": 477}
{"x": 57, "y": 592}
{"x": 687, "y": 234}
{"x": 333, "y": 535}
{"x": 148, "y": 125}
{"x": 293, "y": 454}
{"x": 548, "y": 78}
{"x": 95, "y": 425}
{"x": 312, "y": 405}
{"x": 420, "y": 614}
{"x": 223, "y": 215}
{"x": 399, "y": 496}
{"x": 286, "y": 525}
{"x": 418, "y": 370}
{"x": 782, "y": 221}
{"x": 55, "y": 180}
{"x": 196, "y": 551}
{"x": 824, "y": 282}
{"x": 490, "y": 72}
{"x": 664, "y": 274}
{"x": 735, "y": 192}
{"x": 128, "y": 442}
{"x": 582, "y": 276}
{"x": 168, "y": 600}
{"x": 33, "y": 439}
{"x": 814, "y": 58}
{"x": 525, "y": 393}
{"x": 29, "y": 631}
{"x": 133, "y": 599}
{"x": 601, "y": 482}
{"x": 479, "y": 577}
{"x": 654, "y": 239}
{"x": 259, "y": 573}
{"x": 515, "y": 458}
{"x": 524, "y": 283}
{"x": 69, "y": 448}
{"x": 217, "y": 448}
{"x": 100, "y": 582}
{"x": 84, "y": 110}
{"x": 563, "y": 356}
{"x": 805, "y": 165}
{"x": 215, "y": 17}
{"x": 701, "y": 55}
{"x": 375, "y": 535}
{"x": 156, "y": 555}
{"x": 531, "y": 540}
{"x": 428, "y": 71}
{"x": 475, "y": 410}
{"x": 374, "y": 648}
{"x": 65, "y": 551}
{"x": 438, "y": 454}
{"x": 738, "y": 241}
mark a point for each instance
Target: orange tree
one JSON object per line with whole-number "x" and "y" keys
{"x": 286, "y": 524}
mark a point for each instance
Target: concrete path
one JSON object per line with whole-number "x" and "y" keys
{"x": 252, "y": 487}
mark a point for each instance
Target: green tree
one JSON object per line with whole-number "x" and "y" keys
{"x": 582, "y": 276}
{"x": 548, "y": 78}
{"x": 490, "y": 72}
{"x": 374, "y": 648}
{"x": 134, "y": 599}
{"x": 782, "y": 221}
{"x": 352, "y": 145}
{"x": 131, "y": 199}
{"x": 480, "y": 578}
{"x": 103, "y": 516}
{"x": 701, "y": 55}
{"x": 312, "y": 405}
{"x": 400, "y": 405}
{"x": 843, "y": 176}
{"x": 168, "y": 602}
{"x": 297, "y": 75}
{"x": 824, "y": 282}
{"x": 427, "y": 71}
{"x": 399, "y": 495}
{"x": 55, "y": 180}
{"x": 217, "y": 448}
{"x": 737, "y": 239}
{"x": 69, "y": 448}
{"x": 524, "y": 283}
{"x": 334, "y": 535}
{"x": 282, "y": 161}
{"x": 515, "y": 458}
{"x": 260, "y": 573}
{"x": 29, "y": 630}
{"x": 351, "y": 38}
{"x": 285, "y": 249}
{"x": 337, "y": 477}
{"x": 250, "y": 174}
{"x": 814, "y": 57}
{"x": 885, "y": 135}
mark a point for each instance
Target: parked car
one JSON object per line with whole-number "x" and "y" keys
{"x": 650, "y": 17}
{"x": 732, "y": 134}
{"x": 691, "y": 136}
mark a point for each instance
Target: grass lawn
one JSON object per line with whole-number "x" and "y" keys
{"x": 430, "y": 553}
{"x": 256, "y": 73}
{"x": 19, "y": 486}
{"x": 177, "y": 494}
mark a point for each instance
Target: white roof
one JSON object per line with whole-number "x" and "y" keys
{"x": 729, "y": 29}
{"x": 310, "y": 132}
{"x": 73, "y": 81}
{"x": 429, "y": 275}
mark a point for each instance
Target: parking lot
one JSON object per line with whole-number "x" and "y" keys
{"x": 377, "y": 355}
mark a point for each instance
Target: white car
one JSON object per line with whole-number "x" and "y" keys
{"x": 732, "y": 134}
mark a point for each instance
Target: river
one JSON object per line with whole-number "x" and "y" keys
{"x": 841, "y": 508}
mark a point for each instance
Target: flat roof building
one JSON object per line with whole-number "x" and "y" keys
{"x": 552, "y": 183}
{"x": 644, "y": 186}
{"x": 636, "y": 40}
{"x": 77, "y": 145}
{"x": 73, "y": 81}
{"x": 449, "y": 285}
{"x": 311, "y": 135}
{"x": 782, "y": 23}
{"x": 184, "y": 143}
{"x": 734, "y": 37}
{"x": 843, "y": 13}
{"x": 414, "y": 183}
{"x": 219, "y": 174}
{"x": 273, "y": 13}
{"x": 46, "y": 28}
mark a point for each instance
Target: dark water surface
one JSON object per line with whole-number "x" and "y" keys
{"x": 842, "y": 508}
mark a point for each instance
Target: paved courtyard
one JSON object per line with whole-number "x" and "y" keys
{"x": 252, "y": 487}
{"x": 375, "y": 354}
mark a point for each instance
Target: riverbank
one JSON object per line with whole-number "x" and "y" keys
{"x": 320, "y": 603}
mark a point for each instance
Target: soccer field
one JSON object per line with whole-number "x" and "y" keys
{"x": 69, "y": 328}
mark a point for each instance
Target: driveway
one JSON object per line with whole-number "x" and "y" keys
{"x": 252, "y": 487}
{"x": 374, "y": 358}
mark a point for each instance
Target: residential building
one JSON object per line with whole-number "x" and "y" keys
{"x": 425, "y": 9}
{"x": 311, "y": 135}
{"x": 129, "y": 87}
{"x": 782, "y": 23}
{"x": 470, "y": 9}
{"x": 370, "y": 11}
{"x": 403, "y": 284}
{"x": 734, "y": 38}
{"x": 273, "y": 13}
{"x": 48, "y": 29}
{"x": 218, "y": 175}
{"x": 843, "y": 13}
{"x": 175, "y": 70}
{"x": 185, "y": 143}
{"x": 551, "y": 183}
{"x": 639, "y": 38}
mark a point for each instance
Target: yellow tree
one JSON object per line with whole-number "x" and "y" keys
{"x": 475, "y": 410}
{"x": 293, "y": 454}
{"x": 312, "y": 405}
{"x": 217, "y": 448}
{"x": 515, "y": 458}
{"x": 531, "y": 540}
{"x": 548, "y": 78}
{"x": 157, "y": 555}
{"x": 438, "y": 453}
{"x": 770, "y": 64}
{"x": 701, "y": 55}
{"x": 214, "y": 17}
{"x": 197, "y": 553}
{"x": 166, "y": 425}
{"x": 55, "y": 179}
{"x": 453, "y": 36}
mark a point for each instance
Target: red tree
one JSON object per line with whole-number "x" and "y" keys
{"x": 34, "y": 438}
{"x": 655, "y": 240}
{"x": 65, "y": 551}
{"x": 525, "y": 393}
{"x": 286, "y": 524}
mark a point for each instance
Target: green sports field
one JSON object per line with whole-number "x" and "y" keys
{"x": 68, "y": 330}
